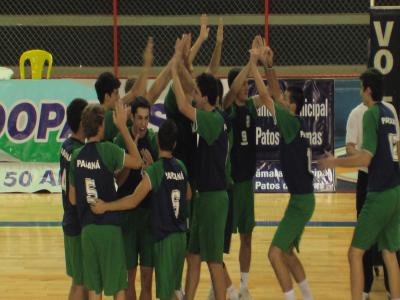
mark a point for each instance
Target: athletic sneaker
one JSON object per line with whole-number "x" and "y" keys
{"x": 245, "y": 294}
{"x": 233, "y": 294}
{"x": 180, "y": 294}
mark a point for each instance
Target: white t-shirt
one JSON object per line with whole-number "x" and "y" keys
{"x": 354, "y": 126}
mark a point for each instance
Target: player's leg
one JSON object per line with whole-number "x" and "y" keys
{"x": 145, "y": 246}
{"x": 287, "y": 237}
{"x": 297, "y": 270}
{"x": 146, "y": 281}
{"x": 246, "y": 223}
{"x": 389, "y": 243}
{"x": 218, "y": 279}
{"x": 94, "y": 296}
{"x": 193, "y": 274}
{"x": 361, "y": 194}
{"x": 231, "y": 292}
{"x": 277, "y": 259}
{"x": 193, "y": 258}
{"x": 121, "y": 295}
{"x": 211, "y": 237}
{"x": 78, "y": 292}
{"x": 355, "y": 256}
{"x": 375, "y": 223}
{"x": 244, "y": 261}
{"x": 130, "y": 236}
{"x": 131, "y": 291}
{"x": 74, "y": 266}
{"x": 392, "y": 267}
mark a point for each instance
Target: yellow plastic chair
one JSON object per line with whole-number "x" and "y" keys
{"x": 37, "y": 59}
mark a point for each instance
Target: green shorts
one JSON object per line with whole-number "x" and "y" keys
{"x": 73, "y": 258}
{"x": 208, "y": 226}
{"x": 290, "y": 229}
{"x": 138, "y": 239}
{"x": 103, "y": 259}
{"x": 379, "y": 221}
{"x": 169, "y": 258}
{"x": 243, "y": 207}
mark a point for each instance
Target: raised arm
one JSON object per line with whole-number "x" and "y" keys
{"x": 203, "y": 36}
{"x": 267, "y": 59}
{"x": 184, "y": 107}
{"x": 263, "y": 94}
{"x": 240, "y": 79}
{"x": 159, "y": 84}
{"x": 133, "y": 160}
{"x": 140, "y": 86}
{"x": 216, "y": 56}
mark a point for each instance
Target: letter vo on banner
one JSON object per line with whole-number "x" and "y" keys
{"x": 385, "y": 53}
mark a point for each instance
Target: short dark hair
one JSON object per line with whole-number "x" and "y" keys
{"x": 129, "y": 84}
{"x": 92, "y": 119}
{"x": 106, "y": 83}
{"x": 233, "y": 73}
{"x": 139, "y": 102}
{"x": 74, "y": 113}
{"x": 167, "y": 135}
{"x": 372, "y": 78}
{"x": 296, "y": 96}
{"x": 208, "y": 87}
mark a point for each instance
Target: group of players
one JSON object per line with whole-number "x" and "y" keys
{"x": 128, "y": 192}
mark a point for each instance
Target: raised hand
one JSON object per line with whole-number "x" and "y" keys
{"x": 148, "y": 52}
{"x": 204, "y": 29}
{"x": 120, "y": 115}
{"x": 256, "y": 49}
{"x": 177, "y": 58}
{"x": 257, "y": 42}
{"x": 255, "y": 55}
{"x": 269, "y": 57}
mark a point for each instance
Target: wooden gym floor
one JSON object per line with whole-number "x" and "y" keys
{"x": 32, "y": 254}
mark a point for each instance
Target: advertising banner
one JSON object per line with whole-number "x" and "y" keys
{"x": 33, "y": 126}
{"x": 318, "y": 114}
{"x": 32, "y": 117}
{"x": 385, "y": 50}
{"x": 29, "y": 177}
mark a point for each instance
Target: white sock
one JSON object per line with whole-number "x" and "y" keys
{"x": 230, "y": 289}
{"x": 290, "y": 295}
{"x": 305, "y": 290}
{"x": 244, "y": 277}
{"x": 365, "y": 296}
